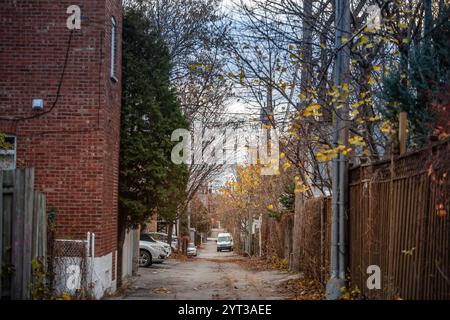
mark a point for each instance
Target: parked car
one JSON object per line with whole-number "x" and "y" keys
{"x": 191, "y": 250}
{"x": 164, "y": 245}
{"x": 224, "y": 242}
{"x": 163, "y": 237}
{"x": 151, "y": 251}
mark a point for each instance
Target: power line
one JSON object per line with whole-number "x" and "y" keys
{"x": 58, "y": 91}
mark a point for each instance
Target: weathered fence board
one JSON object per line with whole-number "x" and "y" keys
{"x": 23, "y": 226}
{"x": 1, "y": 230}
{"x": 39, "y": 227}
{"x": 312, "y": 238}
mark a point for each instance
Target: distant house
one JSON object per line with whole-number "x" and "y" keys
{"x": 60, "y": 93}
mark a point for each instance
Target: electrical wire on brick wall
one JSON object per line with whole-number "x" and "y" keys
{"x": 58, "y": 91}
{"x": 80, "y": 131}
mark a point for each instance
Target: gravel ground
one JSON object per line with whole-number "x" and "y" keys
{"x": 211, "y": 275}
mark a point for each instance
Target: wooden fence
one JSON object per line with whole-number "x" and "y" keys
{"x": 312, "y": 238}
{"x": 23, "y": 225}
{"x": 276, "y": 236}
{"x": 394, "y": 224}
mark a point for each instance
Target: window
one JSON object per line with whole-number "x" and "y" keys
{"x": 146, "y": 237}
{"x": 113, "y": 49}
{"x": 8, "y": 153}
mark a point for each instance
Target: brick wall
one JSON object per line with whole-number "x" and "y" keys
{"x": 75, "y": 147}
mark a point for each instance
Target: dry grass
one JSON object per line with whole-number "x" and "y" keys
{"x": 298, "y": 289}
{"x": 259, "y": 264}
{"x": 302, "y": 289}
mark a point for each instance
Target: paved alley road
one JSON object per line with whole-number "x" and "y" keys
{"x": 211, "y": 275}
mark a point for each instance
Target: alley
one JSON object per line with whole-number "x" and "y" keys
{"x": 210, "y": 275}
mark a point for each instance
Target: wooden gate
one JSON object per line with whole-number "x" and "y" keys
{"x": 23, "y": 224}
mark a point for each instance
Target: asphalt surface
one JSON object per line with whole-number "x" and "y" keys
{"x": 211, "y": 275}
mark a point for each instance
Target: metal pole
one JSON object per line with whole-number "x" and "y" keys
{"x": 342, "y": 217}
{"x": 339, "y": 168}
{"x": 343, "y": 137}
{"x": 335, "y": 162}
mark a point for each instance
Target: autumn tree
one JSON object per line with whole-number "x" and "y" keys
{"x": 193, "y": 32}
{"x": 148, "y": 180}
{"x": 281, "y": 58}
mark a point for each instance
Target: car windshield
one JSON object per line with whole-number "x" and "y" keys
{"x": 223, "y": 239}
{"x": 159, "y": 237}
{"x": 191, "y": 245}
{"x": 147, "y": 237}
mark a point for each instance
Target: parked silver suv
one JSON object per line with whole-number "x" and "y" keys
{"x": 152, "y": 251}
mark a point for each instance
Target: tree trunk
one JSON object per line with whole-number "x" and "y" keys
{"x": 120, "y": 241}
{"x": 169, "y": 233}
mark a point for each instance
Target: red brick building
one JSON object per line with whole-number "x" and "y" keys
{"x": 73, "y": 141}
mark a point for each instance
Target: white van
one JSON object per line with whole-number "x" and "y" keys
{"x": 224, "y": 242}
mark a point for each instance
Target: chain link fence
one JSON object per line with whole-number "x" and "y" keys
{"x": 70, "y": 267}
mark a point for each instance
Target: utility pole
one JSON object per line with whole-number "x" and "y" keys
{"x": 339, "y": 164}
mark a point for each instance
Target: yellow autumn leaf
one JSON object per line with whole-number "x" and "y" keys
{"x": 364, "y": 39}
{"x": 314, "y": 106}
{"x": 375, "y": 118}
{"x": 346, "y": 151}
{"x": 312, "y": 110}
{"x": 302, "y": 189}
{"x": 357, "y": 104}
{"x": 408, "y": 252}
{"x": 357, "y": 140}
{"x": 193, "y": 67}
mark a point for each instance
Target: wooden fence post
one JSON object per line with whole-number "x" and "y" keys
{"x": 17, "y": 235}
{"x": 28, "y": 231}
{"x": 1, "y": 230}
